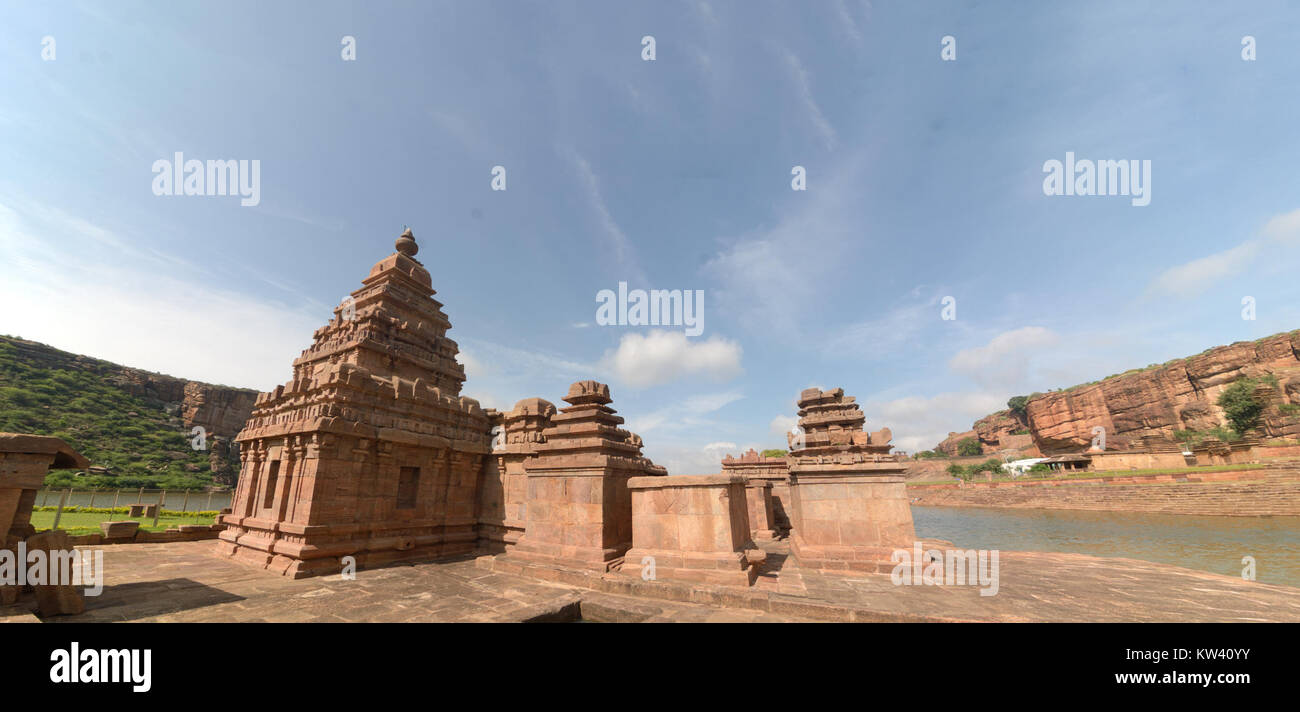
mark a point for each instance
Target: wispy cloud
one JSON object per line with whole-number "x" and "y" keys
{"x": 1004, "y": 361}
{"x": 803, "y": 85}
{"x": 75, "y": 292}
{"x": 621, "y": 247}
{"x": 1198, "y": 275}
{"x": 920, "y": 422}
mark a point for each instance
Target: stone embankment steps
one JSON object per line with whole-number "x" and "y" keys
{"x": 1272, "y": 492}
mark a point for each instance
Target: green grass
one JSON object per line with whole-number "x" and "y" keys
{"x": 87, "y": 522}
{"x": 44, "y": 391}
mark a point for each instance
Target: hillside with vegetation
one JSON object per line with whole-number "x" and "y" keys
{"x": 136, "y": 427}
{"x": 1245, "y": 389}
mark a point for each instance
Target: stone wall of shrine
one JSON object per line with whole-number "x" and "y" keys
{"x": 776, "y": 472}
{"x": 849, "y": 503}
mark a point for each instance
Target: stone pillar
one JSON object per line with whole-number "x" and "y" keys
{"x": 849, "y": 498}
{"x": 24, "y": 462}
{"x": 691, "y": 528}
{"x": 579, "y": 509}
{"x": 758, "y": 497}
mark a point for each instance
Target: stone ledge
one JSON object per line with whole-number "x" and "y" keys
{"x": 712, "y": 595}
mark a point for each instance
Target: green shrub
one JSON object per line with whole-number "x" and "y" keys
{"x": 1018, "y": 404}
{"x": 969, "y": 447}
{"x": 1240, "y": 406}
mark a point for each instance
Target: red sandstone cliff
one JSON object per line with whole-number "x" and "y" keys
{"x": 1001, "y": 431}
{"x": 1148, "y": 406}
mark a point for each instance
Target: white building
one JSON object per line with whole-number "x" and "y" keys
{"x": 1016, "y": 468}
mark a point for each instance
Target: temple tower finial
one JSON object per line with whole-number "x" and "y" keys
{"x": 406, "y": 243}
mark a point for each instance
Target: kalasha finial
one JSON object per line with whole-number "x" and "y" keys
{"x": 406, "y": 243}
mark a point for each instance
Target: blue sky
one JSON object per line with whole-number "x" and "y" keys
{"x": 924, "y": 181}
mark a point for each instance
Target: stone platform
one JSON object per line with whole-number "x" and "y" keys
{"x": 187, "y": 582}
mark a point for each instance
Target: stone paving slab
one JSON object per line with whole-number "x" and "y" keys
{"x": 186, "y": 581}
{"x": 1060, "y": 587}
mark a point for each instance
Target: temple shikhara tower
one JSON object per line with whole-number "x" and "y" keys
{"x": 579, "y": 510}
{"x": 370, "y": 451}
{"x": 850, "y": 508}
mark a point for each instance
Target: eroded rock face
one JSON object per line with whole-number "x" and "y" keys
{"x": 221, "y": 410}
{"x": 218, "y": 409}
{"x": 1149, "y": 406}
{"x": 1146, "y": 407}
{"x": 1002, "y": 432}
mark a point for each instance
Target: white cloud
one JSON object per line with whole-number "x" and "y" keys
{"x": 81, "y": 288}
{"x": 676, "y": 431}
{"x": 684, "y": 416}
{"x": 881, "y": 338}
{"x": 1284, "y": 229}
{"x": 804, "y": 84}
{"x": 847, "y": 23}
{"x": 1005, "y": 360}
{"x": 698, "y": 460}
{"x": 665, "y": 356}
{"x": 781, "y": 425}
{"x": 1193, "y": 277}
{"x": 624, "y": 252}
{"x": 919, "y": 423}
{"x": 719, "y": 449}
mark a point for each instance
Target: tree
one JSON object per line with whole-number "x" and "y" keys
{"x": 1240, "y": 406}
{"x": 1017, "y": 404}
{"x": 774, "y": 453}
{"x": 969, "y": 447}
{"x": 957, "y": 470}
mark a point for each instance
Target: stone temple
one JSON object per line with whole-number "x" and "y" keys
{"x": 370, "y": 456}
{"x": 370, "y": 451}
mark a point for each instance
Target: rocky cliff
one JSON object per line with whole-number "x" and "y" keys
{"x": 1000, "y": 432}
{"x": 220, "y": 410}
{"x": 65, "y": 392}
{"x": 1147, "y": 406}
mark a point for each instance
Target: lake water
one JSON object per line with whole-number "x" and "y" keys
{"x": 1214, "y": 544}
{"x": 175, "y": 500}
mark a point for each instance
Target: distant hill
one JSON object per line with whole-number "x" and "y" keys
{"x": 135, "y": 423}
{"x": 1160, "y": 404}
